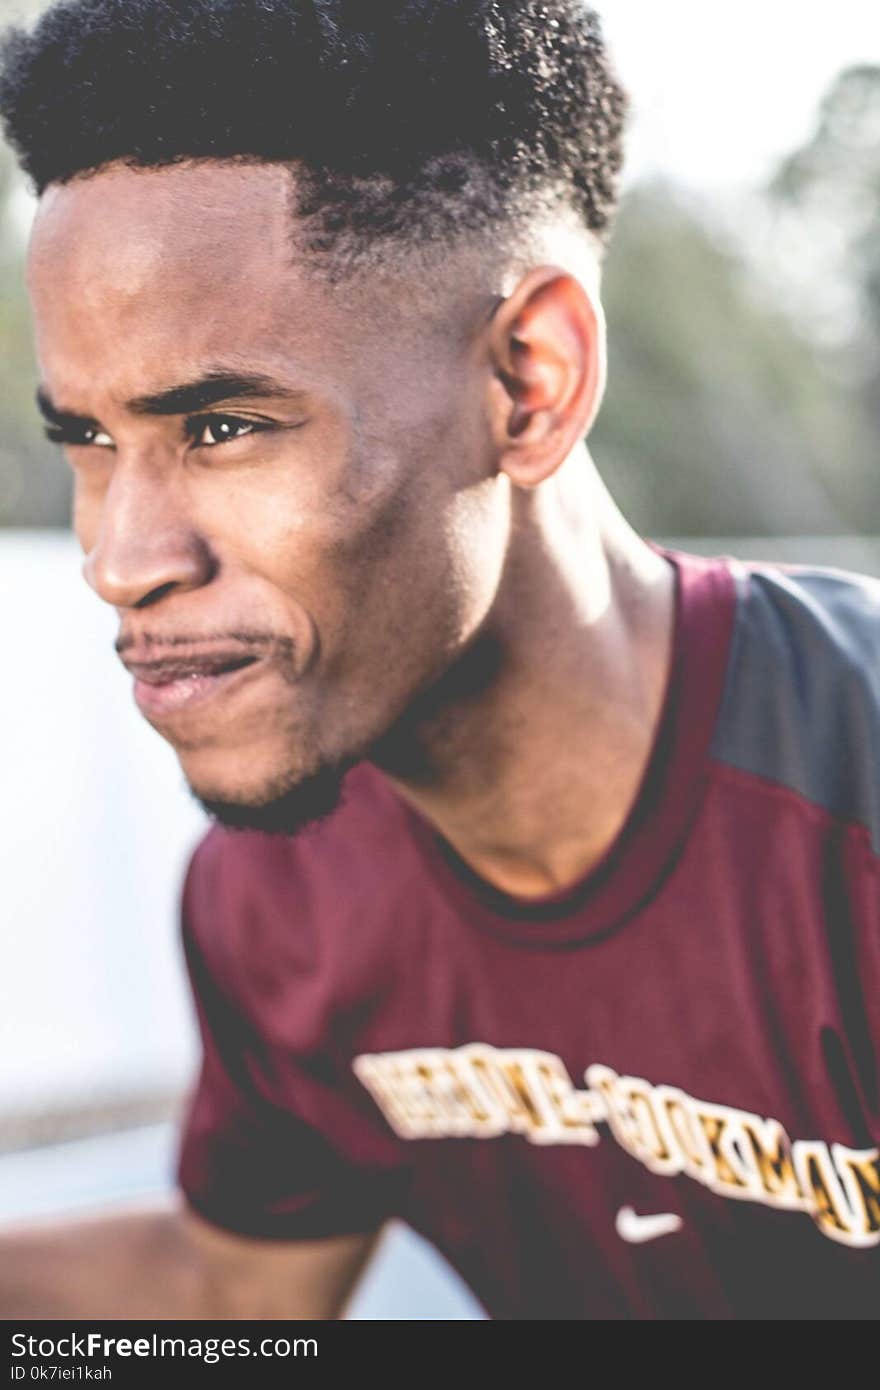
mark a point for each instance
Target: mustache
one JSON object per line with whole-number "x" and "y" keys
{"x": 248, "y": 639}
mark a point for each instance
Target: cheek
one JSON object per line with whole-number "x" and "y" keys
{"x": 409, "y": 586}
{"x": 322, "y": 498}
{"x": 421, "y": 541}
{"x": 311, "y": 524}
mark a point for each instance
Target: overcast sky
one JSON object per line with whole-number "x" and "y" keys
{"x": 721, "y": 91}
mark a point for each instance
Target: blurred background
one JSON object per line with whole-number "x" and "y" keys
{"x": 743, "y": 416}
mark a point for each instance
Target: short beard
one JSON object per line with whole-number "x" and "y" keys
{"x": 288, "y": 812}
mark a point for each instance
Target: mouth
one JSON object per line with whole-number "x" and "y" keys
{"x": 168, "y": 686}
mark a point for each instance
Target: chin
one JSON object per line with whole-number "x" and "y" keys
{"x": 280, "y": 809}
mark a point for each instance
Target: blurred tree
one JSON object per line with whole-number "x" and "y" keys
{"x": 720, "y": 417}
{"x": 832, "y": 184}
{"x": 34, "y": 482}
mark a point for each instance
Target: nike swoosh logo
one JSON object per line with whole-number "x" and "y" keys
{"x": 638, "y": 1229}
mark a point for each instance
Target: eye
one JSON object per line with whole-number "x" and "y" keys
{"x": 79, "y": 436}
{"x": 210, "y": 430}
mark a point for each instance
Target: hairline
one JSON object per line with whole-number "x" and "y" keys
{"x": 548, "y": 225}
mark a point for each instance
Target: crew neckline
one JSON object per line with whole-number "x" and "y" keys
{"x": 671, "y": 787}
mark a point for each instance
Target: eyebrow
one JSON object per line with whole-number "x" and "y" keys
{"x": 206, "y": 390}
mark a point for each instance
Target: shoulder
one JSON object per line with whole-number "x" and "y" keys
{"x": 801, "y": 704}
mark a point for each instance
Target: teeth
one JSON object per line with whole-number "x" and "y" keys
{"x": 223, "y": 670}
{"x": 173, "y": 675}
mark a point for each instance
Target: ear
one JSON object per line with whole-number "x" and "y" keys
{"x": 547, "y": 347}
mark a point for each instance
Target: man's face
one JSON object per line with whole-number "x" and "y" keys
{"x": 340, "y": 524}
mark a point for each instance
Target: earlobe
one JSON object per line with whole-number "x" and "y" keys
{"x": 548, "y": 355}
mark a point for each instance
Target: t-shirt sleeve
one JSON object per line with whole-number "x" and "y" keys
{"x": 244, "y": 1163}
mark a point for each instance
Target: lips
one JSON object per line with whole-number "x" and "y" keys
{"x": 179, "y": 667}
{"x": 176, "y": 683}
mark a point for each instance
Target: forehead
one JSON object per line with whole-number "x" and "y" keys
{"x": 122, "y": 229}
{"x": 142, "y": 277}
{"x": 140, "y": 274}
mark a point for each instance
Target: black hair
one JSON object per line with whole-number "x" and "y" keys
{"x": 410, "y": 118}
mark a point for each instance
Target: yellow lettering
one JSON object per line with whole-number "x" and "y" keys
{"x": 859, "y": 1170}
{"x": 771, "y": 1148}
{"x": 816, "y": 1174}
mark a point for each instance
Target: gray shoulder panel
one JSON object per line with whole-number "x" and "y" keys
{"x": 801, "y": 702}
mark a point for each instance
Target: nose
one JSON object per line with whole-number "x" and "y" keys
{"x": 146, "y": 545}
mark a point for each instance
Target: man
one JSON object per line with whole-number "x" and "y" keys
{"x": 575, "y": 961}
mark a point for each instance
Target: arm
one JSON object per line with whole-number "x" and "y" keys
{"x": 161, "y": 1261}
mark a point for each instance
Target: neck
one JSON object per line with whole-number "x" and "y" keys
{"x": 528, "y": 755}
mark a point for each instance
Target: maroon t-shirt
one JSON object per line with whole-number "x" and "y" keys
{"x": 652, "y": 1095}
